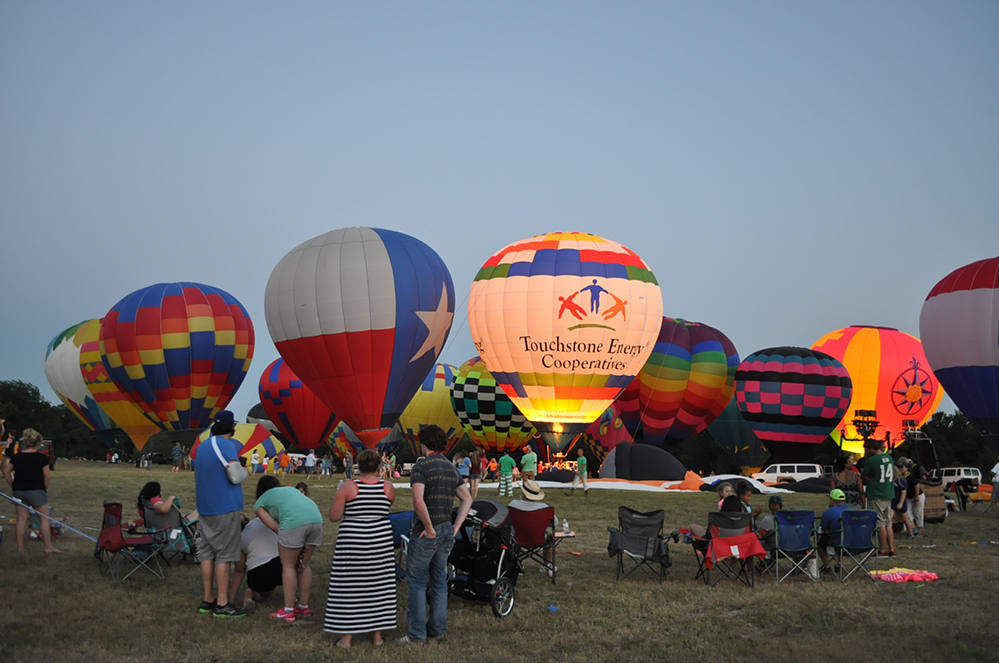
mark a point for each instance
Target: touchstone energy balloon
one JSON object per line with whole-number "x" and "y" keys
{"x": 298, "y": 413}
{"x": 432, "y": 405}
{"x": 178, "y": 350}
{"x": 564, "y": 321}
{"x": 792, "y": 398}
{"x": 361, "y": 314}
{"x": 487, "y": 414}
{"x": 890, "y": 375}
{"x": 959, "y": 325}
{"x": 62, "y": 369}
{"x": 687, "y": 381}
{"x": 108, "y": 395}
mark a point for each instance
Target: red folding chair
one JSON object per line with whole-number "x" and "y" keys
{"x": 732, "y": 548}
{"x": 534, "y": 532}
{"x": 114, "y": 550}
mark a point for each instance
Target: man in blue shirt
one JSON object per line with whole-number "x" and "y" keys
{"x": 220, "y": 505}
{"x": 832, "y": 525}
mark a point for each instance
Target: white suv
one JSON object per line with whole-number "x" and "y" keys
{"x": 949, "y": 475}
{"x": 786, "y": 472}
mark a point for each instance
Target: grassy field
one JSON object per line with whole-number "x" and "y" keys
{"x": 59, "y": 608}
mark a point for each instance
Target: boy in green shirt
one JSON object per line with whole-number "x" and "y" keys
{"x": 506, "y": 464}
{"x": 878, "y": 474}
{"x": 580, "y": 473}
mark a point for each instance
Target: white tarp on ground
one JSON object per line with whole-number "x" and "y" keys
{"x": 613, "y": 484}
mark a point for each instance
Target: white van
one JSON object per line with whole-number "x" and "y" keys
{"x": 787, "y": 472}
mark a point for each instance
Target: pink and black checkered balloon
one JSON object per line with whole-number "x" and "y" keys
{"x": 792, "y": 396}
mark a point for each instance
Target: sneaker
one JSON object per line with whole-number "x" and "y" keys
{"x": 549, "y": 571}
{"x": 884, "y": 554}
{"x": 229, "y": 610}
{"x": 207, "y": 606}
{"x": 406, "y": 640}
{"x": 586, "y": 493}
{"x": 437, "y": 639}
{"x": 284, "y": 615}
{"x": 301, "y": 613}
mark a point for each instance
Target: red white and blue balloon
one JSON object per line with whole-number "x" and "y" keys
{"x": 361, "y": 315}
{"x": 959, "y": 327}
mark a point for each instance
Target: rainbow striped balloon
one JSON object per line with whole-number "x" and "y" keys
{"x": 792, "y": 398}
{"x": 564, "y": 321}
{"x": 178, "y": 350}
{"x": 686, "y": 383}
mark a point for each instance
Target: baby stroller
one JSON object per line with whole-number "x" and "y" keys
{"x": 485, "y": 567}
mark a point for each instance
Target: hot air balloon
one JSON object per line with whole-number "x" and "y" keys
{"x": 361, "y": 314}
{"x": 736, "y": 437}
{"x": 178, "y": 350}
{"x": 108, "y": 395}
{"x": 487, "y": 414}
{"x": 687, "y": 382}
{"x": 792, "y": 398}
{"x": 959, "y": 325}
{"x": 62, "y": 368}
{"x": 297, "y": 412}
{"x": 247, "y": 439}
{"x": 432, "y": 405}
{"x": 605, "y": 433}
{"x": 564, "y": 321}
{"x": 890, "y": 376}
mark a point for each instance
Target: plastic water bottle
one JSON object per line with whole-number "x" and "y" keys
{"x": 565, "y": 525}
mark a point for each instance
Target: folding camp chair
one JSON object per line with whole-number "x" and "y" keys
{"x": 858, "y": 544}
{"x": 171, "y": 529}
{"x": 639, "y": 536}
{"x": 731, "y": 548}
{"x": 114, "y": 550}
{"x": 534, "y": 533}
{"x": 980, "y": 501}
{"x": 795, "y": 542}
{"x": 402, "y": 522}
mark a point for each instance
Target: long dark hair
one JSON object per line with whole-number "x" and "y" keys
{"x": 148, "y": 492}
{"x": 267, "y": 482}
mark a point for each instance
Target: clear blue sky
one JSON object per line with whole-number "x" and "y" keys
{"x": 785, "y": 168}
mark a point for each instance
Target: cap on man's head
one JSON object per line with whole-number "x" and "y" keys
{"x": 531, "y": 490}
{"x": 225, "y": 417}
{"x": 776, "y": 499}
{"x": 837, "y": 494}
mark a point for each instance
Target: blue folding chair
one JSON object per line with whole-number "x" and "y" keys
{"x": 858, "y": 544}
{"x": 401, "y": 523}
{"x": 795, "y": 543}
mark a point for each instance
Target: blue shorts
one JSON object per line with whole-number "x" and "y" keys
{"x": 33, "y": 498}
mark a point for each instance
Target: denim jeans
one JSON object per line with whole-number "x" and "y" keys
{"x": 428, "y": 558}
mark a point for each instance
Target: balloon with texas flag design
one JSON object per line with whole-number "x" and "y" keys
{"x": 360, "y": 315}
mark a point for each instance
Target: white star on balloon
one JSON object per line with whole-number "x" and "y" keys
{"x": 438, "y": 323}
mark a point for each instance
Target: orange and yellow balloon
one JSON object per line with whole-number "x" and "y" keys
{"x": 890, "y": 375}
{"x": 564, "y": 321}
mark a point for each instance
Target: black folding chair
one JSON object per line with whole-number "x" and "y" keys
{"x": 639, "y": 537}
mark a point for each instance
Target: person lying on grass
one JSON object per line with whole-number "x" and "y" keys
{"x": 299, "y": 527}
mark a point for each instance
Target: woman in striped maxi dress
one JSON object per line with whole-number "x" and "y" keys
{"x": 362, "y": 593}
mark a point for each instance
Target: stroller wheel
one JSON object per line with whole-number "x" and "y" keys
{"x": 502, "y": 597}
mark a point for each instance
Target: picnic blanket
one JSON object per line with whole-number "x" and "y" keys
{"x": 898, "y": 574}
